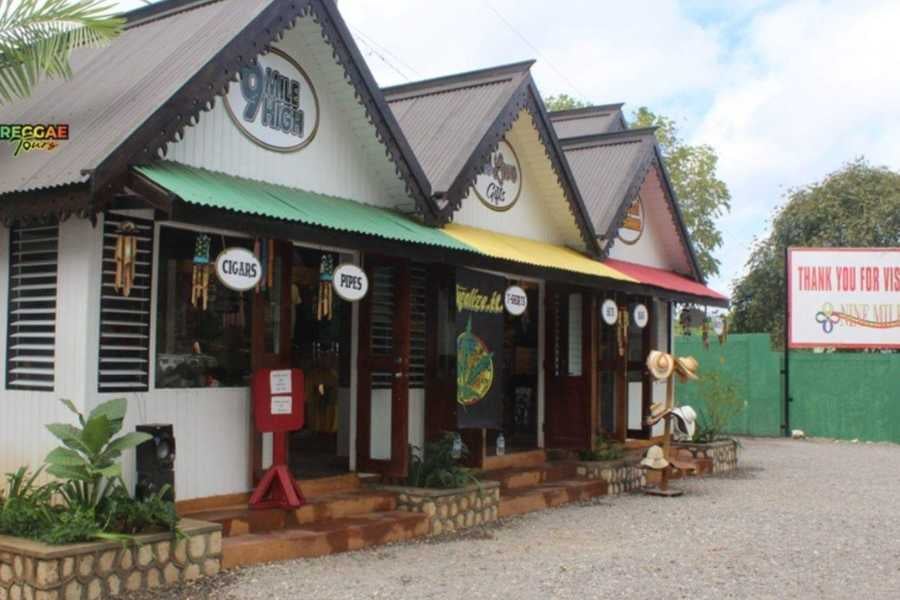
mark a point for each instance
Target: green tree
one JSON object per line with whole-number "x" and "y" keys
{"x": 37, "y": 37}
{"x": 563, "y": 102}
{"x": 702, "y": 196}
{"x": 859, "y": 205}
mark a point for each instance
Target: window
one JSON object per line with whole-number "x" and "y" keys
{"x": 575, "y": 336}
{"x": 125, "y": 319}
{"x": 31, "y": 318}
{"x": 197, "y": 347}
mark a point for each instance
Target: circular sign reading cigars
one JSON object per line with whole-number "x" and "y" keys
{"x": 499, "y": 184}
{"x": 274, "y": 103}
{"x": 238, "y": 269}
{"x": 350, "y": 282}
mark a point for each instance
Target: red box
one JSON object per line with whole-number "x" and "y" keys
{"x": 278, "y": 396}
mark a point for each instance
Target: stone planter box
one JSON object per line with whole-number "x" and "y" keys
{"x": 32, "y": 570}
{"x": 451, "y": 510}
{"x": 721, "y": 454}
{"x": 620, "y": 476}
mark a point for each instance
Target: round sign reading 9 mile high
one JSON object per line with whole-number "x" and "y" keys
{"x": 500, "y": 182}
{"x": 274, "y": 103}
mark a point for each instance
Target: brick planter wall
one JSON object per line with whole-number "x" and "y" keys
{"x": 34, "y": 571}
{"x": 621, "y": 476}
{"x": 722, "y": 454}
{"x": 454, "y": 509}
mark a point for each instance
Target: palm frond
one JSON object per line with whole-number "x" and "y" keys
{"x": 37, "y": 37}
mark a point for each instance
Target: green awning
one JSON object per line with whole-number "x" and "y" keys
{"x": 217, "y": 190}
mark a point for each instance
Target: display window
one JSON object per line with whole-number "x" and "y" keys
{"x": 202, "y": 327}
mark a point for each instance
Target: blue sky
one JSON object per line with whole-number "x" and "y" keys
{"x": 786, "y": 92}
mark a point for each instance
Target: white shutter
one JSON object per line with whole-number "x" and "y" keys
{"x": 125, "y": 320}
{"x": 31, "y": 330}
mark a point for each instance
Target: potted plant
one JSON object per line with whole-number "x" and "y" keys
{"x": 721, "y": 403}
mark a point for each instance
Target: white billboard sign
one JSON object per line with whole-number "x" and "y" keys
{"x": 844, "y": 297}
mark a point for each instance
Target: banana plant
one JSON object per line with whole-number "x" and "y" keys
{"x": 88, "y": 460}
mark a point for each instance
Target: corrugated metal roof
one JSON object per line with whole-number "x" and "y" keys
{"x": 445, "y": 119}
{"x": 115, "y": 89}
{"x": 217, "y": 190}
{"x": 592, "y": 120}
{"x": 605, "y": 169}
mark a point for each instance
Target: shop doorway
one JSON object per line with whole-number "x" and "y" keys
{"x": 568, "y": 366}
{"x": 320, "y": 333}
{"x": 520, "y": 388}
{"x": 384, "y": 369}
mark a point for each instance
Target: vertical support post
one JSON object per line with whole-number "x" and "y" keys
{"x": 667, "y": 432}
{"x": 786, "y": 425}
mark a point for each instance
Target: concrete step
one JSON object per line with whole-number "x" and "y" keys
{"x": 323, "y": 537}
{"x": 240, "y": 520}
{"x": 518, "y": 501}
{"x": 520, "y": 477}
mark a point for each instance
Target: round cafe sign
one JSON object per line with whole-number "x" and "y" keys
{"x": 633, "y": 226}
{"x": 609, "y": 311}
{"x": 515, "y": 300}
{"x": 238, "y": 269}
{"x": 500, "y": 182}
{"x": 641, "y": 315}
{"x": 350, "y": 282}
{"x": 274, "y": 104}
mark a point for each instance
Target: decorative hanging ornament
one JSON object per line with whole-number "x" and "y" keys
{"x": 200, "y": 275}
{"x": 622, "y": 331}
{"x": 705, "y": 329}
{"x": 125, "y": 257}
{"x": 720, "y": 327}
{"x": 326, "y": 276}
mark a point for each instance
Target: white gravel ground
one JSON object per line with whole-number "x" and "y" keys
{"x": 799, "y": 519}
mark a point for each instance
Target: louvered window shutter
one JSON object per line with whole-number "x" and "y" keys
{"x": 31, "y": 330}
{"x": 125, "y": 320}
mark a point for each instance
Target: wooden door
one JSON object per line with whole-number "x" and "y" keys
{"x": 383, "y": 369}
{"x": 638, "y": 384}
{"x": 270, "y": 343}
{"x": 568, "y": 366}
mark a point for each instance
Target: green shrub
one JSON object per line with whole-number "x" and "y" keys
{"x": 721, "y": 404}
{"x": 91, "y": 501}
{"x": 603, "y": 450}
{"x": 435, "y": 466}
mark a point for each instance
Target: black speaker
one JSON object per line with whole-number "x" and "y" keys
{"x": 156, "y": 462}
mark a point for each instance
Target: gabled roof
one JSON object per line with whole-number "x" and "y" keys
{"x": 126, "y": 101}
{"x": 453, "y": 124}
{"x": 590, "y": 120}
{"x": 610, "y": 169}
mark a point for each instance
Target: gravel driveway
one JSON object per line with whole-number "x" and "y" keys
{"x": 799, "y": 519}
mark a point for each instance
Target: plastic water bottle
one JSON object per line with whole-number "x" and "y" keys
{"x": 456, "y": 450}
{"x": 501, "y": 445}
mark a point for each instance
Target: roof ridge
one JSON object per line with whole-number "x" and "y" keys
{"x": 466, "y": 77}
{"x": 584, "y": 111}
{"x": 160, "y": 10}
{"x": 602, "y": 139}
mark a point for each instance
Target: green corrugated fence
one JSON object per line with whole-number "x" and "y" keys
{"x": 842, "y": 395}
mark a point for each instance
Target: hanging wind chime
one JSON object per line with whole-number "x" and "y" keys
{"x": 200, "y": 276}
{"x": 326, "y": 275}
{"x": 126, "y": 256}
{"x": 622, "y": 331}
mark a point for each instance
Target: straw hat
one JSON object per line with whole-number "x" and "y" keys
{"x": 687, "y": 367}
{"x": 655, "y": 458}
{"x": 685, "y": 421}
{"x": 660, "y": 364}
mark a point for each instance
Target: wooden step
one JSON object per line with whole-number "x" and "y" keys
{"x": 529, "y": 458}
{"x": 323, "y": 537}
{"x": 519, "y": 477}
{"x": 240, "y": 520}
{"x": 524, "y": 500}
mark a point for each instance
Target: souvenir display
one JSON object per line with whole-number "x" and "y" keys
{"x": 200, "y": 279}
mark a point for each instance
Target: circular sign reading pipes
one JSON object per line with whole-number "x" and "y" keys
{"x": 500, "y": 182}
{"x": 609, "y": 311}
{"x": 350, "y": 282}
{"x": 641, "y": 315}
{"x": 238, "y": 269}
{"x": 515, "y": 300}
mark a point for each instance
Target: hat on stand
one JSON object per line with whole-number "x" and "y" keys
{"x": 687, "y": 367}
{"x": 685, "y": 419}
{"x": 655, "y": 458}
{"x": 660, "y": 364}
